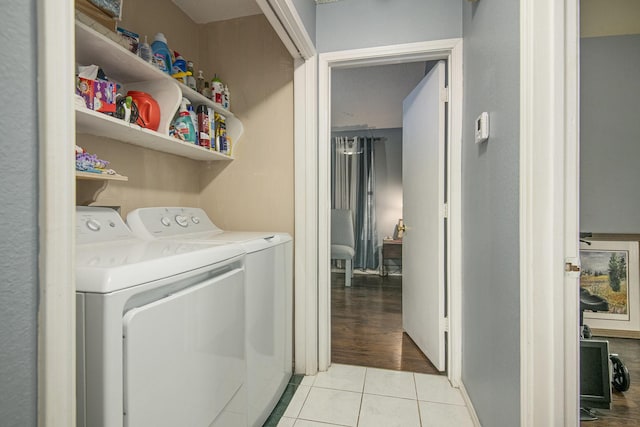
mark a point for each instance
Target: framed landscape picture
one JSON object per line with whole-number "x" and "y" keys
{"x": 609, "y": 269}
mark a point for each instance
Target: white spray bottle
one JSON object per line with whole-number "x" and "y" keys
{"x": 184, "y": 125}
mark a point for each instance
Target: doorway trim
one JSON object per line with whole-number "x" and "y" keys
{"x": 549, "y": 177}
{"x": 450, "y": 50}
{"x": 56, "y": 211}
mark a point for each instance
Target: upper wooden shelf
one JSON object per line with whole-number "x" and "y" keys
{"x": 117, "y": 62}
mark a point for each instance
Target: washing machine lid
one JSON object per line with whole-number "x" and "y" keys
{"x": 233, "y": 236}
{"x": 250, "y": 241}
{"x": 111, "y": 266}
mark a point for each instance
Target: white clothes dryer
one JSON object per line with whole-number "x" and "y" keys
{"x": 160, "y": 328}
{"x": 268, "y": 291}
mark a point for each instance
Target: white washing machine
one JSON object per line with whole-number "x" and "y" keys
{"x": 268, "y": 290}
{"x": 160, "y": 328}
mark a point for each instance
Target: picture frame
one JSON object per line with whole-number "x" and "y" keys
{"x": 609, "y": 269}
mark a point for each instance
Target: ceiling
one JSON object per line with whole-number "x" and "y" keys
{"x": 371, "y": 97}
{"x": 205, "y": 11}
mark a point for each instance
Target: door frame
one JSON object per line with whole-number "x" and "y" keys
{"x": 450, "y": 50}
{"x": 549, "y": 210}
{"x": 56, "y": 211}
{"x": 549, "y": 34}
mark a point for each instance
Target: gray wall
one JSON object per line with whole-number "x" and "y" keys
{"x": 19, "y": 230}
{"x": 307, "y": 11}
{"x": 353, "y": 24}
{"x": 371, "y": 97}
{"x": 388, "y": 168}
{"x": 610, "y": 134}
{"x": 490, "y": 264}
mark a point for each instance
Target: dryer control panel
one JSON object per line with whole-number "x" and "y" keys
{"x": 99, "y": 224}
{"x": 151, "y": 223}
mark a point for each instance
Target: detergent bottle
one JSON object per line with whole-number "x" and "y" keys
{"x": 161, "y": 54}
{"x": 184, "y": 125}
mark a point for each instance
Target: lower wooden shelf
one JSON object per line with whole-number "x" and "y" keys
{"x": 98, "y": 124}
{"x": 100, "y": 176}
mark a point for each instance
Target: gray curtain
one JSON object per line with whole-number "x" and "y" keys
{"x": 353, "y": 187}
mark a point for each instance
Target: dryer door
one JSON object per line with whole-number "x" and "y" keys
{"x": 184, "y": 355}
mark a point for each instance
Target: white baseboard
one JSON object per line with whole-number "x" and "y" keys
{"x": 357, "y": 271}
{"x": 470, "y": 408}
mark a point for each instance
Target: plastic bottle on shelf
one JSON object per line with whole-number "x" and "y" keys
{"x": 217, "y": 90}
{"x": 184, "y": 124}
{"x": 179, "y": 64}
{"x": 161, "y": 54}
{"x": 226, "y": 98}
{"x": 144, "y": 50}
{"x": 200, "y": 83}
{"x": 191, "y": 79}
{"x": 207, "y": 90}
{"x": 212, "y": 126}
{"x": 194, "y": 118}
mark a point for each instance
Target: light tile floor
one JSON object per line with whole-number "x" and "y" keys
{"x": 367, "y": 397}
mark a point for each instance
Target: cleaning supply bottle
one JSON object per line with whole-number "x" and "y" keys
{"x": 204, "y": 137}
{"x": 179, "y": 69}
{"x": 212, "y": 133}
{"x": 226, "y": 98}
{"x": 217, "y": 89}
{"x": 206, "y": 91}
{"x": 161, "y": 54}
{"x": 200, "y": 83}
{"x": 194, "y": 119}
{"x": 144, "y": 50}
{"x": 191, "y": 79}
{"x": 184, "y": 125}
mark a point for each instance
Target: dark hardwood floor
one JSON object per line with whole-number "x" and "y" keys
{"x": 366, "y": 325}
{"x": 625, "y": 409}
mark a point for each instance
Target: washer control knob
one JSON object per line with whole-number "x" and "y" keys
{"x": 195, "y": 220}
{"x": 182, "y": 220}
{"x": 165, "y": 221}
{"x": 93, "y": 225}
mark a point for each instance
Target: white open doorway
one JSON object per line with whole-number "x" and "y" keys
{"x": 449, "y": 50}
{"x": 380, "y": 317}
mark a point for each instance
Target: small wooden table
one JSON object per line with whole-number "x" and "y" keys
{"x": 391, "y": 249}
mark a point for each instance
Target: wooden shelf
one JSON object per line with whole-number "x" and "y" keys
{"x": 100, "y": 176}
{"x": 117, "y": 62}
{"x": 99, "y": 124}
{"x": 133, "y": 73}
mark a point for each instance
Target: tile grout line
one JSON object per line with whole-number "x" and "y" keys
{"x": 364, "y": 381}
{"x": 305, "y": 401}
{"x": 415, "y": 387}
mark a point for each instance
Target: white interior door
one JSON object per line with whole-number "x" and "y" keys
{"x": 423, "y": 182}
